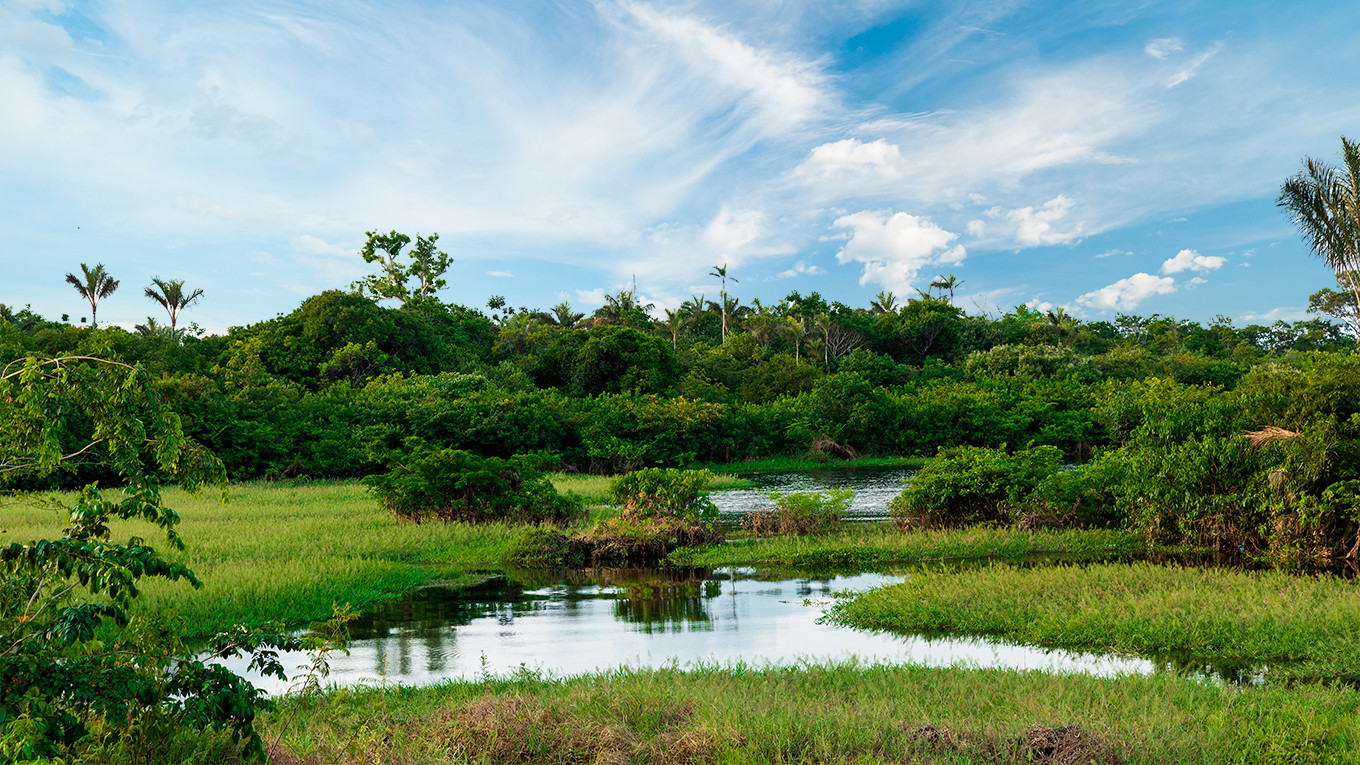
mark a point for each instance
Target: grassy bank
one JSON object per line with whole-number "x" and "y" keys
{"x": 1306, "y": 627}
{"x": 594, "y": 489}
{"x": 287, "y": 551}
{"x": 840, "y": 713}
{"x": 868, "y": 546}
{"x": 797, "y": 464}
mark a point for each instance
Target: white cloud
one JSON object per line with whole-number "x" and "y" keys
{"x": 1126, "y": 294}
{"x": 501, "y": 274}
{"x": 1042, "y": 306}
{"x": 895, "y": 247}
{"x": 1195, "y": 282}
{"x": 976, "y": 228}
{"x": 1162, "y": 47}
{"x": 801, "y": 268}
{"x": 1190, "y": 260}
{"x": 1035, "y": 226}
{"x": 852, "y": 157}
{"x": 1112, "y": 253}
{"x": 313, "y": 245}
{"x": 1283, "y": 313}
{"x": 731, "y": 230}
{"x": 1188, "y": 71}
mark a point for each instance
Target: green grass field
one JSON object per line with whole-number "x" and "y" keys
{"x": 1304, "y": 627}
{"x": 841, "y": 714}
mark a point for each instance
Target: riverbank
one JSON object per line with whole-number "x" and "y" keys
{"x": 838, "y": 713}
{"x": 1300, "y": 627}
{"x": 289, "y": 551}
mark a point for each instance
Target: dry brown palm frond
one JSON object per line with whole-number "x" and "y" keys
{"x": 1268, "y": 435}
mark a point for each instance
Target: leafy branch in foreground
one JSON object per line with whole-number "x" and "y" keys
{"x": 76, "y": 673}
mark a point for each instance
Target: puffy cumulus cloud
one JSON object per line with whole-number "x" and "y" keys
{"x": 894, "y": 247}
{"x": 1189, "y": 260}
{"x": 1163, "y": 47}
{"x": 801, "y": 268}
{"x": 731, "y": 230}
{"x": 852, "y": 157}
{"x": 1126, "y": 294}
{"x": 1034, "y": 226}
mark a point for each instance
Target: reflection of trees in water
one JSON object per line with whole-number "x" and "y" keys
{"x": 1231, "y": 672}
{"x": 673, "y": 606}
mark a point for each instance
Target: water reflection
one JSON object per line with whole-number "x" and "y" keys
{"x": 589, "y": 621}
{"x": 873, "y": 488}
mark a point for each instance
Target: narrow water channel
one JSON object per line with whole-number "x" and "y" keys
{"x": 591, "y": 621}
{"x": 873, "y": 488}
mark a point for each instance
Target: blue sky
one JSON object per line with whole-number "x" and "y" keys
{"x": 1102, "y": 156}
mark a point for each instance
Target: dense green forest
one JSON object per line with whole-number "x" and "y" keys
{"x": 323, "y": 390}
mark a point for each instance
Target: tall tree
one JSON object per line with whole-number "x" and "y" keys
{"x": 1324, "y": 202}
{"x": 675, "y": 322}
{"x": 169, "y": 293}
{"x": 884, "y": 302}
{"x": 96, "y": 285}
{"x": 427, "y": 266}
{"x": 946, "y": 284}
{"x": 721, "y": 271}
{"x": 563, "y": 316}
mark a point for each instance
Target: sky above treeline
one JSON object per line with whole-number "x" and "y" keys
{"x": 1105, "y": 157}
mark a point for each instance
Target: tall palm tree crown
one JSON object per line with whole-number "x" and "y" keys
{"x": 721, "y": 271}
{"x": 1324, "y": 203}
{"x": 97, "y": 284}
{"x": 169, "y": 293}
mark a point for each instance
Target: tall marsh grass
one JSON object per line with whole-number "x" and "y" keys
{"x": 288, "y": 551}
{"x": 820, "y": 713}
{"x": 1305, "y": 627}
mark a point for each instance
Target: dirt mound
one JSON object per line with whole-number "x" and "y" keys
{"x": 1066, "y": 745}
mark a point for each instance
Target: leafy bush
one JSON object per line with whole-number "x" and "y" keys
{"x": 544, "y": 547}
{"x": 967, "y": 484}
{"x": 664, "y": 493}
{"x": 456, "y": 485}
{"x": 642, "y": 540}
{"x": 76, "y": 672}
{"x": 801, "y": 513}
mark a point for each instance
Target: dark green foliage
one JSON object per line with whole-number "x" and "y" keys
{"x": 964, "y": 485}
{"x": 456, "y": 485}
{"x": 623, "y": 360}
{"x": 545, "y": 547}
{"x": 664, "y": 493}
{"x": 68, "y": 665}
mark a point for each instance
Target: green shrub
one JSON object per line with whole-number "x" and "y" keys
{"x": 801, "y": 513}
{"x": 664, "y": 493}
{"x": 968, "y": 484}
{"x": 637, "y": 540}
{"x": 544, "y": 547}
{"x": 456, "y": 485}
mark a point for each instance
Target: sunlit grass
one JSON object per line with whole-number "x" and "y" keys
{"x": 1305, "y": 627}
{"x": 288, "y": 551}
{"x": 594, "y": 489}
{"x": 817, "y": 713}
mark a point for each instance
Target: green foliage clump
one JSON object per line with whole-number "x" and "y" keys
{"x": 544, "y": 547}
{"x": 664, "y": 493}
{"x": 457, "y": 485}
{"x": 967, "y": 484}
{"x": 801, "y": 513}
{"x": 76, "y": 672}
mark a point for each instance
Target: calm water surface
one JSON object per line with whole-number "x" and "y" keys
{"x": 588, "y": 621}
{"x": 873, "y": 488}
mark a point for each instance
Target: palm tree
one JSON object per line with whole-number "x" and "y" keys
{"x": 721, "y": 271}
{"x": 797, "y": 330}
{"x": 674, "y": 323}
{"x": 97, "y": 284}
{"x": 884, "y": 302}
{"x": 949, "y": 283}
{"x": 564, "y": 317}
{"x": 169, "y": 293}
{"x": 1325, "y": 204}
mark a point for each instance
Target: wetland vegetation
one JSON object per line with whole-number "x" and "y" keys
{"x": 1071, "y": 475}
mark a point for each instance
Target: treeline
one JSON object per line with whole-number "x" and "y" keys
{"x": 329, "y": 389}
